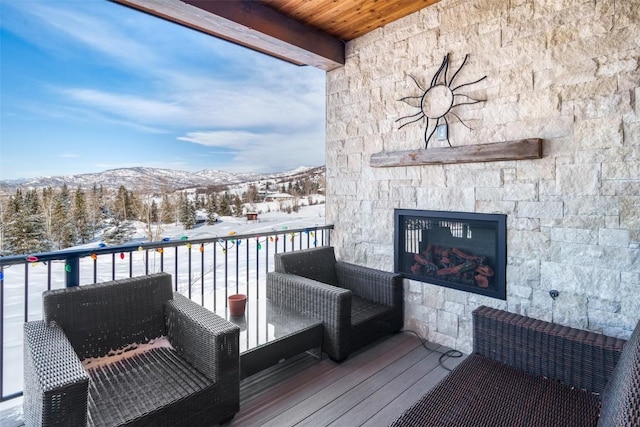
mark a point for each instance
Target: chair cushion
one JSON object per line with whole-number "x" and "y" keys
{"x": 363, "y": 310}
{"x": 141, "y": 386}
{"x": 621, "y": 396}
{"x": 483, "y": 392}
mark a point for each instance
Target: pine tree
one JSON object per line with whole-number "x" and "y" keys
{"x": 121, "y": 232}
{"x": 96, "y": 208}
{"x": 81, "y": 218}
{"x": 63, "y": 229}
{"x": 47, "y": 206}
{"x": 211, "y": 209}
{"x": 154, "y": 212}
{"x": 24, "y": 230}
{"x": 188, "y": 214}
{"x": 225, "y": 208}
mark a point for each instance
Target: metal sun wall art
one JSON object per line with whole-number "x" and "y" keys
{"x": 438, "y": 100}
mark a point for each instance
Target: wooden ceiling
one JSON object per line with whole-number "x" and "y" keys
{"x": 347, "y": 19}
{"x": 303, "y": 32}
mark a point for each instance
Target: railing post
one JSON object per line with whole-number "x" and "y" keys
{"x": 72, "y": 270}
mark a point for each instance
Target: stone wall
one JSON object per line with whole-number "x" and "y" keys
{"x": 566, "y": 71}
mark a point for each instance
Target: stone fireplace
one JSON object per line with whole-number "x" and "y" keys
{"x": 458, "y": 250}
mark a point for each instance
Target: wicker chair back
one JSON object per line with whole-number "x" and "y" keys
{"x": 621, "y": 399}
{"x": 102, "y": 317}
{"x": 314, "y": 263}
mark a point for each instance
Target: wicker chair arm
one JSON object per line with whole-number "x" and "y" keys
{"x": 310, "y": 297}
{"x": 55, "y": 383}
{"x": 576, "y": 357}
{"x": 379, "y": 286}
{"x": 207, "y": 341}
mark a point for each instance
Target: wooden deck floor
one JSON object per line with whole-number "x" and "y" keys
{"x": 371, "y": 388}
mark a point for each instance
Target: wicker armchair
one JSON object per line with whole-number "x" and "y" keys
{"x": 527, "y": 372}
{"x": 193, "y": 381}
{"x": 357, "y": 305}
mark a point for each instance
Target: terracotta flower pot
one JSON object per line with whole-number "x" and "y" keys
{"x": 237, "y": 304}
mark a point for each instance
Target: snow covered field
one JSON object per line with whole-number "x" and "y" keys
{"x": 238, "y": 266}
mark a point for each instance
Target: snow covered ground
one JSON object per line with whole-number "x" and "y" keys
{"x": 239, "y": 269}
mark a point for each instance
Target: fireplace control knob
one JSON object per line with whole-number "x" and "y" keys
{"x": 554, "y": 294}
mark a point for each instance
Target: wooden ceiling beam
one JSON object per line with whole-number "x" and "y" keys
{"x": 253, "y": 25}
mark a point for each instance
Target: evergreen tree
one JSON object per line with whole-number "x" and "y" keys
{"x": 24, "y": 230}
{"x": 188, "y": 214}
{"x": 211, "y": 209}
{"x": 120, "y": 233}
{"x": 47, "y": 207}
{"x": 225, "y": 207}
{"x": 81, "y": 218}
{"x": 63, "y": 228}
{"x": 154, "y": 212}
{"x": 96, "y": 208}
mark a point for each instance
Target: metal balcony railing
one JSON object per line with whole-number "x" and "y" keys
{"x": 202, "y": 269}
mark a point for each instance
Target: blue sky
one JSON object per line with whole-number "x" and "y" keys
{"x": 90, "y": 85}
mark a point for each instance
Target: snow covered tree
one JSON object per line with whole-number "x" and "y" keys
{"x": 24, "y": 225}
{"x": 121, "y": 232}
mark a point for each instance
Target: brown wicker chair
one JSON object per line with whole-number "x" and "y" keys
{"x": 527, "y": 372}
{"x": 195, "y": 381}
{"x": 357, "y": 305}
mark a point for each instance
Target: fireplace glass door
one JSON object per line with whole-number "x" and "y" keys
{"x": 459, "y": 250}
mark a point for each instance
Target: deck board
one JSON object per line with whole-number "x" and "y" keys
{"x": 371, "y": 388}
{"x": 293, "y": 401}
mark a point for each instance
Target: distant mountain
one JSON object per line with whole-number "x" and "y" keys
{"x": 153, "y": 179}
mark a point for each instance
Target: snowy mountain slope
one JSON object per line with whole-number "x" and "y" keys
{"x": 152, "y": 179}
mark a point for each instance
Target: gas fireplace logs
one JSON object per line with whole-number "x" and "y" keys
{"x": 453, "y": 264}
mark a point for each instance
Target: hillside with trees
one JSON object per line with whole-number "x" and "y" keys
{"x": 35, "y": 220}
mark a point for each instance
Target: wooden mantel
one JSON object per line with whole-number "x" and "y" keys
{"x": 521, "y": 149}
